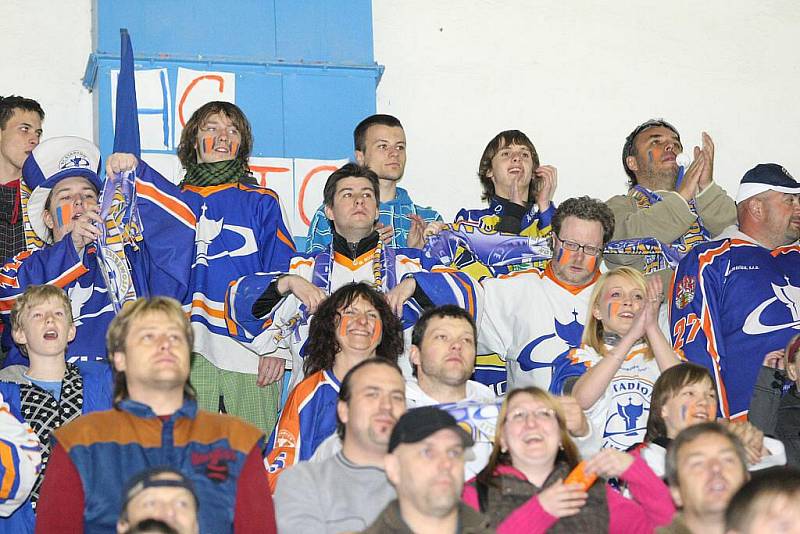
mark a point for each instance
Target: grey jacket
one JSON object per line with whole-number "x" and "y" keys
{"x": 391, "y": 522}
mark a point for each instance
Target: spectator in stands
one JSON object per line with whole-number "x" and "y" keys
{"x": 549, "y": 304}
{"x": 353, "y": 324}
{"x": 706, "y": 465}
{"x": 624, "y": 351}
{"x": 101, "y": 262}
{"x": 20, "y": 461}
{"x": 273, "y": 309}
{"x": 518, "y": 189}
{"x": 51, "y": 392}
{"x": 774, "y": 409}
{"x": 766, "y": 504}
{"x": 684, "y": 395}
{"x": 163, "y": 494}
{"x": 155, "y": 421}
{"x": 380, "y": 145}
{"x": 20, "y": 131}
{"x": 239, "y": 230}
{"x": 443, "y": 355}
{"x": 711, "y": 323}
{"x": 347, "y": 491}
{"x": 678, "y": 213}
{"x": 523, "y": 484}
{"x": 425, "y": 465}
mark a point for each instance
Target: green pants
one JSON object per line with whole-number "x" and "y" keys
{"x": 235, "y": 393}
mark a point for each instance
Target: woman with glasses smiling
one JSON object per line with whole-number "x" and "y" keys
{"x": 522, "y": 488}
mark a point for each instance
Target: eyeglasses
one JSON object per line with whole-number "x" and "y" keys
{"x": 521, "y": 416}
{"x": 589, "y": 250}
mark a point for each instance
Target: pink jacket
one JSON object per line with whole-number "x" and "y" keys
{"x": 650, "y": 507}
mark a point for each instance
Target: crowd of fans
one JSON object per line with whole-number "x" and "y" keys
{"x": 619, "y": 366}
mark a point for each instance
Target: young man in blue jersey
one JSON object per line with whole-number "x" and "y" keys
{"x": 239, "y": 230}
{"x": 518, "y": 189}
{"x": 380, "y": 145}
{"x": 100, "y": 260}
{"x": 50, "y": 392}
{"x": 736, "y": 299}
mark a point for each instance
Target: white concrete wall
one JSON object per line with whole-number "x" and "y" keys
{"x": 576, "y": 75}
{"x": 44, "y": 46}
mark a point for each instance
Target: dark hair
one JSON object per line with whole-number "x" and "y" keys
{"x": 667, "y": 386}
{"x": 187, "y": 151}
{"x": 150, "y": 526}
{"x": 758, "y": 491}
{"x": 344, "y": 388}
{"x": 118, "y": 330}
{"x": 587, "y": 209}
{"x": 503, "y": 139}
{"x": 322, "y": 346}
{"x": 360, "y": 133}
{"x": 568, "y": 452}
{"x": 350, "y": 170}
{"x": 691, "y": 433}
{"x": 447, "y": 310}
{"x": 10, "y": 103}
{"x": 629, "y": 148}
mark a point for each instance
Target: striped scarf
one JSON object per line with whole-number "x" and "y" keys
{"x": 217, "y": 173}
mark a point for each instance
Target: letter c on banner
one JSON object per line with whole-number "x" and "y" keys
{"x": 301, "y": 196}
{"x": 191, "y": 85}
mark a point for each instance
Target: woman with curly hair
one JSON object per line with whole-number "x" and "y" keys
{"x": 353, "y": 324}
{"x": 522, "y": 489}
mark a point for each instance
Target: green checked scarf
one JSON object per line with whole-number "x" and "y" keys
{"x": 217, "y": 173}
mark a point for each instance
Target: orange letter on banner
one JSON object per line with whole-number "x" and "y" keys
{"x": 301, "y": 196}
{"x": 263, "y": 171}
{"x": 189, "y": 88}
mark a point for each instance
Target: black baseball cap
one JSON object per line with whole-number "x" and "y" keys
{"x": 419, "y": 423}
{"x": 766, "y": 177}
{"x": 151, "y": 478}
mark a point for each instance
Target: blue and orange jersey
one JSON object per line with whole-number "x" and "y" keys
{"x": 308, "y": 418}
{"x": 733, "y": 301}
{"x": 20, "y": 461}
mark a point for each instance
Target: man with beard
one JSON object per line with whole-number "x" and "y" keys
{"x": 347, "y": 491}
{"x": 532, "y": 318}
{"x": 425, "y": 465}
{"x": 678, "y": 213}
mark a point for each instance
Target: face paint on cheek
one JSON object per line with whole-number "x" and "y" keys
{"x": 377, "y": 332}
{"x": 590, "y": 262}
{"x": 650, "y": 156}
{"x": 64, "y": 214}
{"x": 343, "y": 325}
{"x": 207, "y": 146}
{"x": 613, "y": 308}
{"x": 564, "y": 256}
{"x": 684, "y": 412}
{"x": 234, "y": 148}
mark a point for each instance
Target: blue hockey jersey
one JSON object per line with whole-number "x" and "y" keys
{"x": 156, "y": 248}
{"x": 733, "y": 301}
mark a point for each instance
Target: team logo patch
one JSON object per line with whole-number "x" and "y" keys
{"x": 214, "y": 464}
{"x": 630, "y": 407}
{"x": 285, "y": 439}
{"x": 74, "y": 159}
{"x": 684, "y": 291}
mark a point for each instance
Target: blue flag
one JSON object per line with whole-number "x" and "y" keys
{"x": 126, "y": 133}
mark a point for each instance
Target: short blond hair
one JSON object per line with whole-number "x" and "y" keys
{"x": 593, "y": 331}
{"x": 120, "y": 326}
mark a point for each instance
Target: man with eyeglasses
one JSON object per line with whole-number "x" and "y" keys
{"x": 679, "y": 209}
{"x": 532, "y": 318}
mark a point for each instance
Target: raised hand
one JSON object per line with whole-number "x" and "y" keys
{"x": 548, "y": 177}
{"x": 305, "y": 291}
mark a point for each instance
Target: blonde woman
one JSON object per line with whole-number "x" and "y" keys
{"x": 624, "y": 352}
